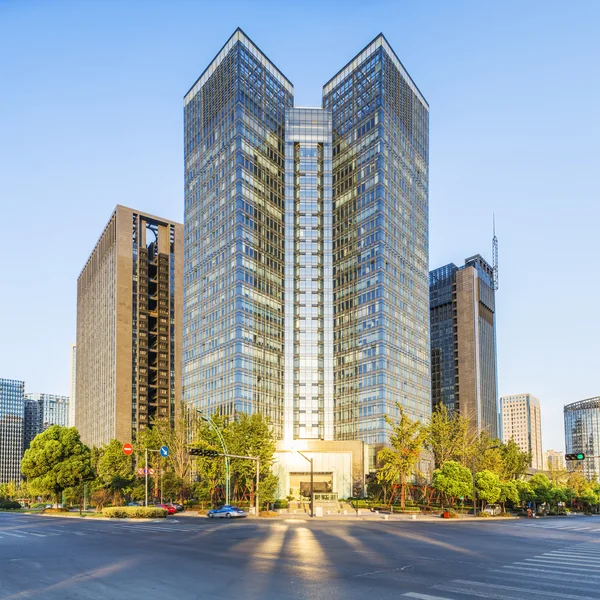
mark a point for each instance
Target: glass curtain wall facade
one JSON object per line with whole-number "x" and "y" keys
{"x": 306, "y": 246}
{"x": 12, "y": 413}
{"x": 380, "y": 244}
{"x": 308, "y": 394}
{"x": 582, "y": 434}
{"x": 442, "y": 320}
{"x": 234, "y": 234}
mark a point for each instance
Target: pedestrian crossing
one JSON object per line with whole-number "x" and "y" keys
{"x": 569, "y": 573}
{"x": 566, "y": 526}
{"x": 127, "y": 529}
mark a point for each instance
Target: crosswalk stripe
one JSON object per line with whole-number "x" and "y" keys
{"x": 568, "y": 558}
{"x": 11, "y": 533}
{"x": 424, "y": 596}
{"x": 554, "y": 571}
{"x": 513, "y": 588}
{"x": 79, "y": 533}
{"x": 547, "y": 575}
{"x": 534, "y": 561}
{"x": 34, "y": 533}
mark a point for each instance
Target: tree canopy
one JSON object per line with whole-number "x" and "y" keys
{"x": 56, "y": 460}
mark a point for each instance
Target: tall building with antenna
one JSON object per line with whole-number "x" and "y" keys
{"x": 464, "y": 373}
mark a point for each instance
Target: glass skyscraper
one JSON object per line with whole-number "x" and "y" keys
{"x": 463, "y": 342}
{"x": 42, "y": 411}
{"x": 582, "y": 434}
{"x": 306, "y": 246}
{"x": 12, "y": 413}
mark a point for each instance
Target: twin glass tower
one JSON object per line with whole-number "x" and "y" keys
{"x": 306, "y": 246}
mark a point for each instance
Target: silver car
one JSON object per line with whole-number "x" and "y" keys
{"x": 493, "y": 509}
{"x": 226, "y": 511}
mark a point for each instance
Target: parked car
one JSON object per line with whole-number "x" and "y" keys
{"x": 492, "y": 509}
{"x": 171, "y": 510}
{"x": 134, "y": 504}
{"x": 178, "y": 507}
{"x": 226, "y": 512}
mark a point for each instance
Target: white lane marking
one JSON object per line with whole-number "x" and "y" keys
{"x": 79, "y": 533}
{"x": 512, "y": 588}
{"x": 547, "y": 576}
{"x": 34, "y": 533}
{"x": 424, "y": 596}
{"x": 10, "y": 533}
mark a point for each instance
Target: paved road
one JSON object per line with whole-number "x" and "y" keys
{"x": 192, "y": 558}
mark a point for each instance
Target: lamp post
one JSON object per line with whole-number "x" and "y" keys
{"x": 225, "y": 452}
{"x": 312, "y": 483}
{"x": 474, "y": 482}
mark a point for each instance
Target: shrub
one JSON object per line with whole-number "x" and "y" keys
{"x": 484, "y": 515}
{"x": 55, "y": 510}
{"x": 9, "y": 504}
{"x": 452, "y": 514}
{"x": 282, "y": 504}
{"x": 134, "y": 512}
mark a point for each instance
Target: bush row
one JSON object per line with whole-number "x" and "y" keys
{"x": 10, "y": 504}
{"x": 134, "y": 512}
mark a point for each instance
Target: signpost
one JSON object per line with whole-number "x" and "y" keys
{"x": 164, "y": 451}
{"x": 127, "y": 449}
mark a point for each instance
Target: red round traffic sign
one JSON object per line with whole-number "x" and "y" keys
{"x": 127, "y": 448}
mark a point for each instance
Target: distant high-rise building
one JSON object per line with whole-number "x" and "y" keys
{"x": 129, "y": 311}
{"x": 554, "y": 460}
{"x": 582, "y": 434}
{"x": 72, "y": 391}
{"x": 463, "y": 342}
{"x": 520, "y": 418}
{"x": 12, "y": 413}
{"x": 306, "y": 237}
{"x": 42, "y": 411}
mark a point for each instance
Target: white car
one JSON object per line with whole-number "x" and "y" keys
{"x": 493, "y": 509}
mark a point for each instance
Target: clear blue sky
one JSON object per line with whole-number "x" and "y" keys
{"x": 91, "y": 116}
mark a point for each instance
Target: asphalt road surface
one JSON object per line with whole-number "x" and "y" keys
{"x": 191, "y": 558}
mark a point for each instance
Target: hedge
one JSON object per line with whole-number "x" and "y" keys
{"x": 134, "y": 512}
{"x": 9, "y": 504}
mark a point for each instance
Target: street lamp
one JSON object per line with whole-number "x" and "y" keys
{"x": 312, "y": 483}
{"x": 225, "y": 452}
{"x": 474, "y": 482}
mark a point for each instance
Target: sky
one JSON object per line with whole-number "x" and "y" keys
{"x": 91, "y": 115}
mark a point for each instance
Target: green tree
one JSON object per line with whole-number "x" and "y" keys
{"x": 56, "y": 460}
{"x": 252, "y": 435}
{"x": 400, "y": 461}
{"x": 447, "y": 435}
{"x": 508, "y": 493}
{"x": 542, "y": 488}
{"x": 177, "y": 436}
{"x": 524, "y": 490}
{"x": 114, "y": 463}
{"x": 515, "y": 461}
{"x": 453, "y": 480}
{"x": 488, "y": 486}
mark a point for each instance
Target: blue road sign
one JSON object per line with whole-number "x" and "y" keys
{"x": 164, "y": 451}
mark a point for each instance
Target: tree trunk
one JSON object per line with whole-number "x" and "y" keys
{"x": 402, "y": 491}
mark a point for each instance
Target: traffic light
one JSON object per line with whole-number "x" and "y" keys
{"x": 203, "y": 452}
{"x": 576, "y": 456}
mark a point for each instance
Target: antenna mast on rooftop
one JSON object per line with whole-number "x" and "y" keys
{"x": 495, "y": 255}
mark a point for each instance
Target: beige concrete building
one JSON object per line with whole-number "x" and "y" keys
{"x": 520, "y": 417}
{"x": 129, "y": 325}
{"x": 554, "y": 460}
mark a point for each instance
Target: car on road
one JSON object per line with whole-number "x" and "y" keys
{"x": 492, "y": 509}
{"x": 171, "y": 510}
{"x": 226, "y": 512}
{"x": 178, "y": 507}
